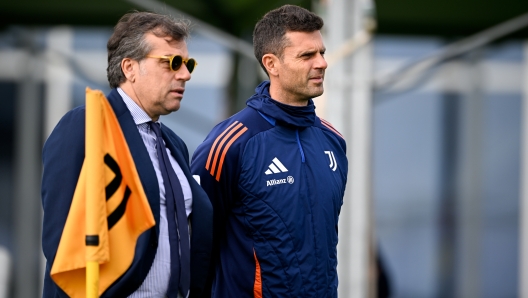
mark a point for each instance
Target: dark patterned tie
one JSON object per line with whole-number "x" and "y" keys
{"x": 180, "y": 262}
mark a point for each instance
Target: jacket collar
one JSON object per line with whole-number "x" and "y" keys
{"x": 284, "y": 114}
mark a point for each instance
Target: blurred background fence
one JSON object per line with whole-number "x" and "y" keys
{"x": 434, "y": 117}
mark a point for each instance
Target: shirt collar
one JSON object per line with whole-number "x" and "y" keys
{"x": 138, "y": 114}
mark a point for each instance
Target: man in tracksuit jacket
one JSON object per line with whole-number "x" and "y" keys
{"x": 276, "y": 173}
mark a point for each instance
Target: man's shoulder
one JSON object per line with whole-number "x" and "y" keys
{"x": 76, "y": 113}
{"x": 225, "y": 143}
{"x": 238, "y": 128}
{"x": 331, "y": 131}
{"x": 79, "y": 112}
{"x": 327, "y": 126}
{"x": 71, "y": 124}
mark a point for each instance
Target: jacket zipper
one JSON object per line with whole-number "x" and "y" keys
{"x": 273, "y": 122}
{"x": 300, "y": 146}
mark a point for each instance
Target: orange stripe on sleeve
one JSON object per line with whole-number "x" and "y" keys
{"x": 224, "y": 139}
{"x": 214, "y": 145}
{"x": 257, "y": 287}
{"x": 242, "y": 131}
{"x": 329, "y": 126}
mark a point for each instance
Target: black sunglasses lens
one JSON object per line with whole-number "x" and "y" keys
{"x": 176, "y": 63}
{"x": 191, "y": 63}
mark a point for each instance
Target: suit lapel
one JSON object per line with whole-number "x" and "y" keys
{"x": 184, "y": 165}
{"x": 177, "y": 154}
{"x": 201, "y": 221}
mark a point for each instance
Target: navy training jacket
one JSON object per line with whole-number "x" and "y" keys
{"x": 276, "y": 177}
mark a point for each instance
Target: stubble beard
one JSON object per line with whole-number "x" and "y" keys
{"x": 315, "y": 90}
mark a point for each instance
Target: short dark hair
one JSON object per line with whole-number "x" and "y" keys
{"x": 269, "y": 33}
{"x": 128, "y": 39}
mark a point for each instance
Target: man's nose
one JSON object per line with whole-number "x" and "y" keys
{"x": 321, "y": 62}
{"x": 183, "y": 73}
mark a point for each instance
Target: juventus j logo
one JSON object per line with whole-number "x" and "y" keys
{"x": 333, "y": 162}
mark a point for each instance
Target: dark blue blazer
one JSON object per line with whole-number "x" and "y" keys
{"x": 63, "y": 155}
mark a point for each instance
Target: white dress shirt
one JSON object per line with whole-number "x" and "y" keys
{"x": 157, "y": 281}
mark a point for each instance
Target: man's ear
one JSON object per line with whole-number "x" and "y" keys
{"x": 129, "y": 68}
{"x": 271, "y": 63}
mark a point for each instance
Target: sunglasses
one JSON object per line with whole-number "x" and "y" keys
{"x": 176, "y": 61}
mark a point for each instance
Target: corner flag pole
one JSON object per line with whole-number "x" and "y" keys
{"x": 95, "y": 171}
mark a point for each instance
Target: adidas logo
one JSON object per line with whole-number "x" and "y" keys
{"x": 276, "y": 167}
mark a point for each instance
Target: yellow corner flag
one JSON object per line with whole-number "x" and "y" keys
{"x": 109, "y": 210}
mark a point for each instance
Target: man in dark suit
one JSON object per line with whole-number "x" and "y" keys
{"x": 148, "y": 65}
